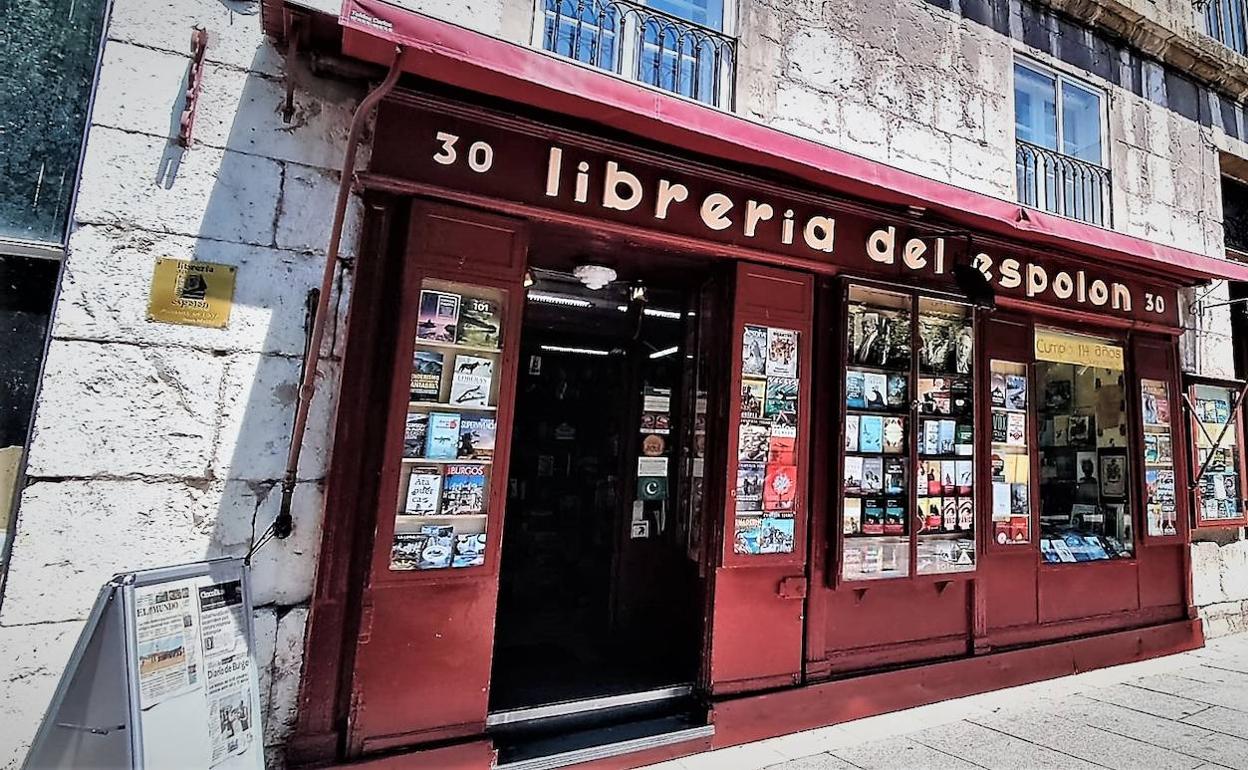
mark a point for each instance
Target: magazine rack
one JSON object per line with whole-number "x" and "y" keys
{"x": 1215, "y": 424}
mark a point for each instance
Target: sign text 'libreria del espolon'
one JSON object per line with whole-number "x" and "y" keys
{"x": 513, "y": 161}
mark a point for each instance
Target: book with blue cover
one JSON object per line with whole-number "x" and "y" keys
{"x": 463, "y": 490}
{"x": 855, "y": 390}
{"x": 442, "y": 436}
{"x": 871, "y": 433}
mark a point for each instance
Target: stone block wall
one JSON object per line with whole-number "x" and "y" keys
{"x": 157, "y": 444}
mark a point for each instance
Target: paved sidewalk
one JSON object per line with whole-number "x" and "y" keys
{"x": 1185, "y": 711}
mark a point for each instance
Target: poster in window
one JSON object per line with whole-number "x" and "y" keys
{"x": 775, "y": 534}
{"x": 1113, "y": 475}
{"x": 750, "y": 478}
{"x": 753, "y": 394}
{"x": 754, "y": 351}
{"x": 781, "y": 396}
{"x": 753, "y": 440}
{"x": 781, "y": 352}
{"x": 780, "y": 488}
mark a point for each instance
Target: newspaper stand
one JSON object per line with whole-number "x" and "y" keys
{"x": 163, "y": 675}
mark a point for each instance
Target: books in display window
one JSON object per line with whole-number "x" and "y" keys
{"x": 463, "y": 490}
{"x": 471, "y": 380}
{"x": 438, "y": 316}
{"x": 426, "y": 380}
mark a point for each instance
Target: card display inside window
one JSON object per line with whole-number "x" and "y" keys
{"x": 1160, "y": 507}
{"x": 767, "y": 468}
{"x": 1217, "y": 480}
{"x": 1084, "y": 491}
{"x": 449, "y": 433}
{"x": 1009, "y": 398}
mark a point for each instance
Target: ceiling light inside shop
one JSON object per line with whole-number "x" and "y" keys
{"x": 657, "y": 313}
{"x": 556, "y": 299}
{"x": 576, "y": 351}
{"x": 664, "y": 352}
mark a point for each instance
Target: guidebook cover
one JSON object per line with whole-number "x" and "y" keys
{"x": 405, "y": 550}
{"x": 438, "y": 319}
{"x": 463, "y": 492}
{"x": 424, "y": 486}
{"x": 442, "y": 436}
{"x": 476, "y": 437}
{"x": 781, "y": 396}
{"x": 754, "y": 350}
{"x": 438, "y": 548}
{"x": 479, "y": 322}
{"x": 415, "y": 434}
{"x": 780, "y": 488}
{"x": 855, "y": 389}
{"x": 753, "y": 394}
{"x": 871, "y": 434}
{"x": 426, "y": 384}
{"x": 750, "y": 478}
{"x": 469, "y": 550}
{"x": 470, "y": 382}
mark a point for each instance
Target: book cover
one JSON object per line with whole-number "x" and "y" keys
{"x": 964, "y": 439}
{"x": 781, "y": 394}
{"x": 1150, "y": 447}
{"x": 750, "y": 477}
{"x": 966, "y": 514}
{"x": 870, "y": 433}
{"x": 875, "y": 390}
{"x": 405, "y": 550}
{"x": 463, "y": 490}
{"x": 480, "y": 321}
{"x": 894, "y": 476}
{"x": 853, "y": 474}
{"x": 934, "y": 395}
{"x": 442, "y": 436}
{"x": 938, "y": 349}
{"x": 415, "y": 434}
{"x": 753, "y": 442}
{"x": 1016, "y": 391}
{"x": 754, "y": 351}
{"x": 753, "y": 394}
{"x": 1019, "y": 500}
{"x": 1001, "y": 501}
{"x": 1057, "y": 395}
{"x": 469, "y": 550}
{"x": 782, "y": 447}
{"x": 776, "y": 534}
{"x": 851, "y": 516}
{"x": 439, "y": 547}
{"x": 893, "y": 435}
{"x": 894, "y": 517}
{"x": 946, "y": 437}
{"x": 872, "y": 516}
{"x": 470, "y": 381}
{"x": 897, "y": 392}
{"x": 997, "y": 466}
{"x": 872, "y": 474}
{"x": 426, "y": 382}
{"x": 966, "y": 473}
{"x": 1082, "y": 430}
{"x": 781, "y": 352}
{"x": 424, "y": 487}
{"x": 855, "y": 389}
{"x": 931, "y": 477}
{"x": 1000, "y": 427}
{"x": 748, "y": 534}
{"x": 1062, "y": 550}
{"x": 949, "y": 513}
{"x": 438, "y": 316}
{"x": 476, "y": 437}
{"x": 1046, "y": 550}
{"x": 1016, "y": 429}
{"x": 931, "y": 437}
{"x": 851, "y": 433}
{"x": 959, "y": 396}
{"x": 996, "y": 390}
{"x": 1165, "y": 450}
{"x": 948, "y": 477}
{"x": 780, "y": 488}
{"x": 929, "y": 510}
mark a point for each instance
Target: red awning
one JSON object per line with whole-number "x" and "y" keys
{"x": 470, "y": 60}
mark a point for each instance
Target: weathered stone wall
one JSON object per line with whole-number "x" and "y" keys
{"x": 158, "y": 444}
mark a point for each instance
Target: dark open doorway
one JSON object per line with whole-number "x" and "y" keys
{"x": 598, "y": 594}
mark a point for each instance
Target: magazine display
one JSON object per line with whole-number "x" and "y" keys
{"x": 1011, "y": 457}
{"x": 767, "y": 481}
{"x": 1218, "y": 490}
{"x": 450, "y": 429}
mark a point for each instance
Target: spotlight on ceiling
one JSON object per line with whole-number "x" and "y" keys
{"x": 594, "y": 277}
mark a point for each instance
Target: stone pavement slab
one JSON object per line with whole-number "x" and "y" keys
{"x": 1186, "y": 711}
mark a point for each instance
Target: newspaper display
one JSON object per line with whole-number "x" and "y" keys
{"x": 167, "y": 640}
{"x": 232, "y": 727}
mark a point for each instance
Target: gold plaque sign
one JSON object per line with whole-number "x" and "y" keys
{"x": 191, "y": 293}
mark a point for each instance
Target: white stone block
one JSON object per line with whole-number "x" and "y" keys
{"x": 108, "y": 275}
{"x": 919, "y": 148}
{"x": 1206, "y": 574}
{"x": 283, "y": 571}
{"x": 115, "y": 410}
{"x": 258, "y": 409}
{"x": 817, "y": 59}
{"x": 305, "y": 216}
{"x": 976, "y": 166}
{"x": 864, "y": 125}
{"x": 234, "y": 34}
{"x": 287, "y": 671}
{"x": 148, "y": 182}
{"x": 73, "y": 535}
{"x": 1234, "y": 570}
{"x": 264, "y": 624}
{"x": 31, "y": 661}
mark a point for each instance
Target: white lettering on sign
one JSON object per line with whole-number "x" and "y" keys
{"x": 623, "y": 190}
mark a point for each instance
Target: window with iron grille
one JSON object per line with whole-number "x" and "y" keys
{"x": 1060, "y": 155}
{"x": 683, "y": 46}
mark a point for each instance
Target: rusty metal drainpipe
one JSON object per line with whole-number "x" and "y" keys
{"x": 283, "y": 524}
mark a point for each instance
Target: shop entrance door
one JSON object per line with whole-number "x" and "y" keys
{"x": 599, "y": 602}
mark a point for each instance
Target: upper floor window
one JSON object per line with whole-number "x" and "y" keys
{"x": 1059, "y": 125}
{"x": 46, "y": 77}
{"x": 1227, "y": 22}
{"x": 683, "y": 46}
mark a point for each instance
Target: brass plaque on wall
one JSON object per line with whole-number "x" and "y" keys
{"x": 191, "y": 293}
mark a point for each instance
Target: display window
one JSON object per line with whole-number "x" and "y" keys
{"x": 1160, "y": 503}
{"x": 908, "y": 466}
{"x": 1009, "y": 396}
{"x": 1214, "y": 409}
{"x": 1084, "y": 490}
{"x": 449, "y": 433}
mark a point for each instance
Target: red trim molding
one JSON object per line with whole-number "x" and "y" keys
{"x": 475, "y": 62}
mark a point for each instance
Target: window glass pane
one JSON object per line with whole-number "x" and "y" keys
{"x": 1011, "y": 459}
{"x": 945, "y": 508}
{"x": 876, "y": 479}
{"x": 45, "y": 85}
{"x": 1035, "y": 107}
{"x": 1085, "y": 494}
{"x": 1081, "y": 123}
{"x": 708, "y": 13}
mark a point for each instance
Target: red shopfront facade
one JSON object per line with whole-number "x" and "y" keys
{"x": 905, "y": 459}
